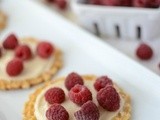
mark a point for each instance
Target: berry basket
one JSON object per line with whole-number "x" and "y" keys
{"x": 118, "y": 22}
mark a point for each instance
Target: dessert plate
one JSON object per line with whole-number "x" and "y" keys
{"x": 84, "y": 54}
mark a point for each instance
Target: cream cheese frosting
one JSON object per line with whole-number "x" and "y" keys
{"x": 41, "y": 105}
{"x": 32, "y": 68}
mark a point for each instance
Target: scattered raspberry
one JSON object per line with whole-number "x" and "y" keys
{"x": 57, "y": 112}
{"x": 111, "y": 2}
{"x": 45, "y": 49}
{"x": 144, "y": 52}
{"x": 101, "y": 82}
{"x": 11, "y": 42}
{"x": 88, "y": 111}
{"x": 62, "y": 4}
{"x": 108, "y": 98}
{"x": 72, "y": 79}
{"x": 146, "y": 3}
{"x": 55, "y": 95}
{"x": 23, "y": 52}
{"x": 80, "y": 94}
{"x": 14, "y": 67}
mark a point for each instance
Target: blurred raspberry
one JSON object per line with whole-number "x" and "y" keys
{"x": 96, "y": 2}
{"x": 144, "y": 51}
{"x": 62, "y": 4}
{"x": 88, "y": 111}
{"x": 14, "y": 67}
{"x": 80, "y": 94}
{"x": 126, "y": 2}
{"x": 55, "y": 95}
{"x": 147, "y": 3}
{"x": 0, "y": 52}
{"x": 50, "y": 1}
{"x": 57, "y": 112}
{"x": 101, "y": 82}
{"x": 111, "y": 2}
{"x": 11, "y": 42}
{"x": 72, "y": 79}
{"x": 23, "y": 52}
{"x": 45, "y": 49}
{"x": 108, "y": 98}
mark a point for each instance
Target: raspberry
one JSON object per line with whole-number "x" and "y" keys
{"x": 54, "y": 95}
{"x": 111, "y": 2}
{"x": 108, "y": 98}
{"x": 23, "y": 52}
{"x": 11, "y": 42}
{"x": 146, "y": 3}
{"x": 96, "y": 2}
{"x": 80, "y": 94}
{"x": 88, "y": 111}
{"x": 50, "y": 1}
{"x": 14, "y": 67}
{"x": 0, "y": 52}
{"x": 45, "y": 49}
{"x": 126, "y": 2}
{"x": 144, "y": 52}
{"x": 72, "y": 79}
{"x": 101, "y": 82}
{"x": 62, "y": 4}
{"x": 57, "y": 112}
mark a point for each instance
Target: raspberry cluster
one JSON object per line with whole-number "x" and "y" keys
{"x": 134, "y": 3}
{"x": 23, "y": 53}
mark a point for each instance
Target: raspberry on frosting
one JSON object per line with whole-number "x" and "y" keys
{"x": 146, "y": 3}
{"x": 62, "y": 4}
{"x": 23, "y": 52}
{"x": 57, "y": 112}
{"x": 72, "y": 79}
{"x": 101, "y": 82}
{"x": 108, "y": 98}
{"x": 111, "y": 2}
{"x": 88, "y": 111}
{"x": 14, "y": 67}
{"x": 45, "y": 49}
{"x": 55, "y": 95}
{"x": 80, "y": 94}
{"x": 144, "y": 52}
{"x": 11, "y": 42}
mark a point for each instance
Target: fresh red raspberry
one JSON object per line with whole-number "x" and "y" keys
{"x": 45, "y": 49}
{"x": 50, "y": 1}
{"x": 72, "y": 79}
{"x": 62, "y": 4}
{"x": 55, "y": 95}
{"x": 80, "y": 94}
{"x": 11, "y": 42}
{"x": 146, "y": 3}
{"x": 144, "y": 52}
{"x": 88, "y": 111}
{"x": 111, "y": 2}
{"x": 126, "y": 2}
{"x": 57, "y": 112}
{"x": 14, "y": 67}
{"x": 101, "y": 82}
{"x": 96, "y": 2}
{"x": 108, "y": 98}
{"x": 23, "y": 52}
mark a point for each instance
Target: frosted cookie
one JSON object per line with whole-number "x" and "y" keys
{"x": 26, "y": 62}
{"x": 3, "y": 20}
{"x": 78, "y": 97}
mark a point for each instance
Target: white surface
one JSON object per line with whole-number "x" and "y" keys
{"x": 83, "y": 53}
{"x": 128, "y": 19}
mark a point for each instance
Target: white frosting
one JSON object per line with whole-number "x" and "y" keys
{"x": 41, "y": 105}
{"x": 32, "y": 68}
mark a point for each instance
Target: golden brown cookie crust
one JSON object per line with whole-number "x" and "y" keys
{"x": 28, "y": 113}
{"x": 3, "y": 20}
{"x": 45, "y": 76}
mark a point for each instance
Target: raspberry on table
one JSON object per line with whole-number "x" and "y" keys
{"x": 11, "y": 42}
{"x": 23, "y": 52}
{"x": 45, "y": 49}
{"x": 80, "y": 94}
{"x": 55, "y": 95}
{"x": 57, "y": 112}
{"x": 72, "y": 79}
{"x": 88, "y": 111}
{"x": 14, "y": 67}
{"x": 144, "y": 52}
{"x": 108, "y": 98}
{"x": 111, "y": 2}
{"x": 101, "y": 82}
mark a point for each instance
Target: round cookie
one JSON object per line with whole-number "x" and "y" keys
{"x": 35, "y": 71}
{"x": 36, "y": 100}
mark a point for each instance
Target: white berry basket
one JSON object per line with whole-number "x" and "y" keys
{"x": 121, "y": 22}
